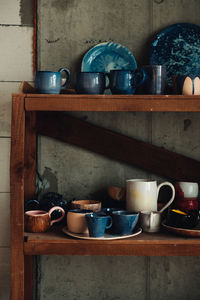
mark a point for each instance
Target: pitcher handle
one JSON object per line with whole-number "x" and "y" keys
{"x": 172, "y": 197}
{"x": 60, "y": 218}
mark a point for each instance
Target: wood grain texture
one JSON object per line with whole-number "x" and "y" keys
{"x": 29, "y": 189}
{"x": 17, "y": 198}
{"x": 159, "y": 244}
{"x": 117, "y": 146}
{"x": 30, "y": 155}
{"x": 172, "y": 103}
{"x": 28, "y": 277}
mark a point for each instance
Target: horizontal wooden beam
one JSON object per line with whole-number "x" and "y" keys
{"x": 117, "y": 146}
{"x": 148, "y": 103}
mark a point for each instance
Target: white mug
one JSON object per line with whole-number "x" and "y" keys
{"x": 186, "y": 189}
{"x": 142, "y": 194}
{"x": 150, "y": 221}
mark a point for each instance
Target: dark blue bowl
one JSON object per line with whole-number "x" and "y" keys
{"x": 124, "y": 221}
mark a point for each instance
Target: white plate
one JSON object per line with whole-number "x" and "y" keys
{"x": 106, "y": 237}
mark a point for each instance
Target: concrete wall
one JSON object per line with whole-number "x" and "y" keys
{"x": 67, "y": 29}
{"x": 15, "y": 65}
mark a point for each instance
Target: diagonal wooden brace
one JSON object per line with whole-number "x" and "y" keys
{"x": 116, "y": 146}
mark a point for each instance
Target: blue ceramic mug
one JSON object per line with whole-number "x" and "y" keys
{"x": 124, "y": 221}
{"x": 48, "y": 82}
{"x": 90, "y": 83}
{"x": 97, "y": 224}
{"x": 125, "y": 82}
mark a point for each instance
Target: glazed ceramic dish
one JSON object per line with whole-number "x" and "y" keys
{"x": 106, "y": 236}
{"x": 195, "y": 232}
{"x": 108, "y": 56}
{"x": 86, "y": 204}
{"x": 178, "y": 48}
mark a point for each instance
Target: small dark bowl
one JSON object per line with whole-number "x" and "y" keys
{"x": 52, "y": 199}
{"x": 181, "y": 219}
{"x": 124, "y": 221}
{"x": 108, "y": 210}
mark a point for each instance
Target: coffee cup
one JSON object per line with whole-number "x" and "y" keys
{"x": 150, "y": 221}
{"x": 98, "y": 223}
{"x": 49, "y": 82}
{"x": 40, "y": 220}
{"x": 155, "y": 82}
{"x": 142, "y": 194}
{"x": 186, "y": 84}
{"x": 124, "y": 221}
{"x": 125, "y": 81}
{"x": 90, "y": 83}
{"x": 187, "y": 195}
{"x": 76, "y": 221}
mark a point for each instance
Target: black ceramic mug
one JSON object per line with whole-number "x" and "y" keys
{"x": 90, "y": 83}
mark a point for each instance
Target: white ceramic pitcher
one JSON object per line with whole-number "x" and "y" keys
{"x": 142, "y": 194}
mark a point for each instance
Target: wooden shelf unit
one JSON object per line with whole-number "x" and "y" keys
{"x": 22, "y": 179}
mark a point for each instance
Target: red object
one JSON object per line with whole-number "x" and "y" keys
{"x": 187, "y": 204}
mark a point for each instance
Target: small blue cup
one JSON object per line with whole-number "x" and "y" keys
{"x": 125, "y": 82}
{"x": 97, "y": 224}
{"x": 48, "y": 82}
{"x": 90, "y": 83}
{"x": 124, "y": 221}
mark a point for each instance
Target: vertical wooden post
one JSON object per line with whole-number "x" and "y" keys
{"x": 29, "y": 190}
{"x": 17, "y": 197}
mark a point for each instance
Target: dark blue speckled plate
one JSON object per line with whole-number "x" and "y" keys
{"x": 178, "y": 48}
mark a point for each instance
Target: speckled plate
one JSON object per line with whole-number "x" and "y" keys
{"x": 106, "y": 236}
{"x": 178, "y": 48}
{"x": 108, "y": 56}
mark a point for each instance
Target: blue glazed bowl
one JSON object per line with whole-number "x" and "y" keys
{"x": 98, "y": 223}
{"x": 124, "y": 221}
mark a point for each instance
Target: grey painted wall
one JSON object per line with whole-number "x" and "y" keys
{"x": 66, "y": 30}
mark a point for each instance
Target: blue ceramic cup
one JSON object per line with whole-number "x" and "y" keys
{"x": 90, "y": 83}
{"x": 125, "y": 82}
{"x": 48, "y": 82}
{"x": 124, "y": 221}
{"x": 97, "y": 224}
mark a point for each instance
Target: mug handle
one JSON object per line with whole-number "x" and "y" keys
{"x": 52, "y": 210}
{"x": 107, "y": 80}
{"x": 109, "y": 222}
{"x": 172, "y": 197}
{"x": 67, "y": 76}
{"x": 139, "y": 77}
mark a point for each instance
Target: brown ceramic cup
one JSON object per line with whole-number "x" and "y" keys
{"x": 40, "y": 220}
{"x": 76, "y": 221}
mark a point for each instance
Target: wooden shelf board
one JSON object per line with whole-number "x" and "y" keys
{"x": 54, "y": 242}
{"x": 149, "y": 103}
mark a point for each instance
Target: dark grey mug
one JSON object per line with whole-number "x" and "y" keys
{"x": 90, "y": 83}
{"x": 155, "y": 83}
